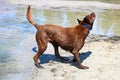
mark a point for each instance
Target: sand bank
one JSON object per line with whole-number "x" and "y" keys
{"x": 67, "y": 5}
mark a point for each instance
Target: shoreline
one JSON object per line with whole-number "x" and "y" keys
{"x": 97, "y": 38}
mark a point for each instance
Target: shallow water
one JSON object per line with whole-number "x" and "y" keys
{"x": 14, "y": 29}
{"x": 107, "y": 21}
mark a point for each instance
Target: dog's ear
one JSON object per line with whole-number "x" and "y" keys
{"x": 79, "y": 21}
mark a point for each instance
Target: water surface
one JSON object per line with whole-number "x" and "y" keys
{"x": 106, "y": 23}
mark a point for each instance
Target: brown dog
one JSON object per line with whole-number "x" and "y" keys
{"x": 71, "y": 39}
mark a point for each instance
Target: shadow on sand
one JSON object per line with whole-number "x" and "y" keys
{"x": 45, "y": 58}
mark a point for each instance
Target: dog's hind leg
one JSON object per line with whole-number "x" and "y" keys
{"x": 55, "y": 45}
{"x": 42, "y": 45}
{"x": 36, "y": 57}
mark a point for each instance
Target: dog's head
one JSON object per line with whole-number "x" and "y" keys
{"x": 88, "y": 20}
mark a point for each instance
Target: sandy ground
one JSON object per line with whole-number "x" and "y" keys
{"x": 99, "y": 53}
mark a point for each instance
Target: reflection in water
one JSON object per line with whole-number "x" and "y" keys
{"x": 64, "y": 17}
{"x": 41, "y": 18}
{"x": 98, "y": 29}
{"x": 106, "y": 24}
{"x": 110, "y": 32}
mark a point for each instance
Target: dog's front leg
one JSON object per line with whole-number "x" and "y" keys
{"x": 76, "y": 54}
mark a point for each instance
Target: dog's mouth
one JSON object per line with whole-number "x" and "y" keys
{"x": 93, "y": 16}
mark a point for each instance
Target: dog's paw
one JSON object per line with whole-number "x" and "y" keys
{"x": 83, "y": 67}
{"x": 39, "y": 66}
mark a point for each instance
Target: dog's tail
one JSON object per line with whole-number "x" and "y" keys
{"x": 28, "y": 15}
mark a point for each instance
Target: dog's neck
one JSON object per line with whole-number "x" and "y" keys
{"x": 88, "y": 27}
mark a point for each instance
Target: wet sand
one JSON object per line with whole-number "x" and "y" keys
{"x": 100, "y": 53}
